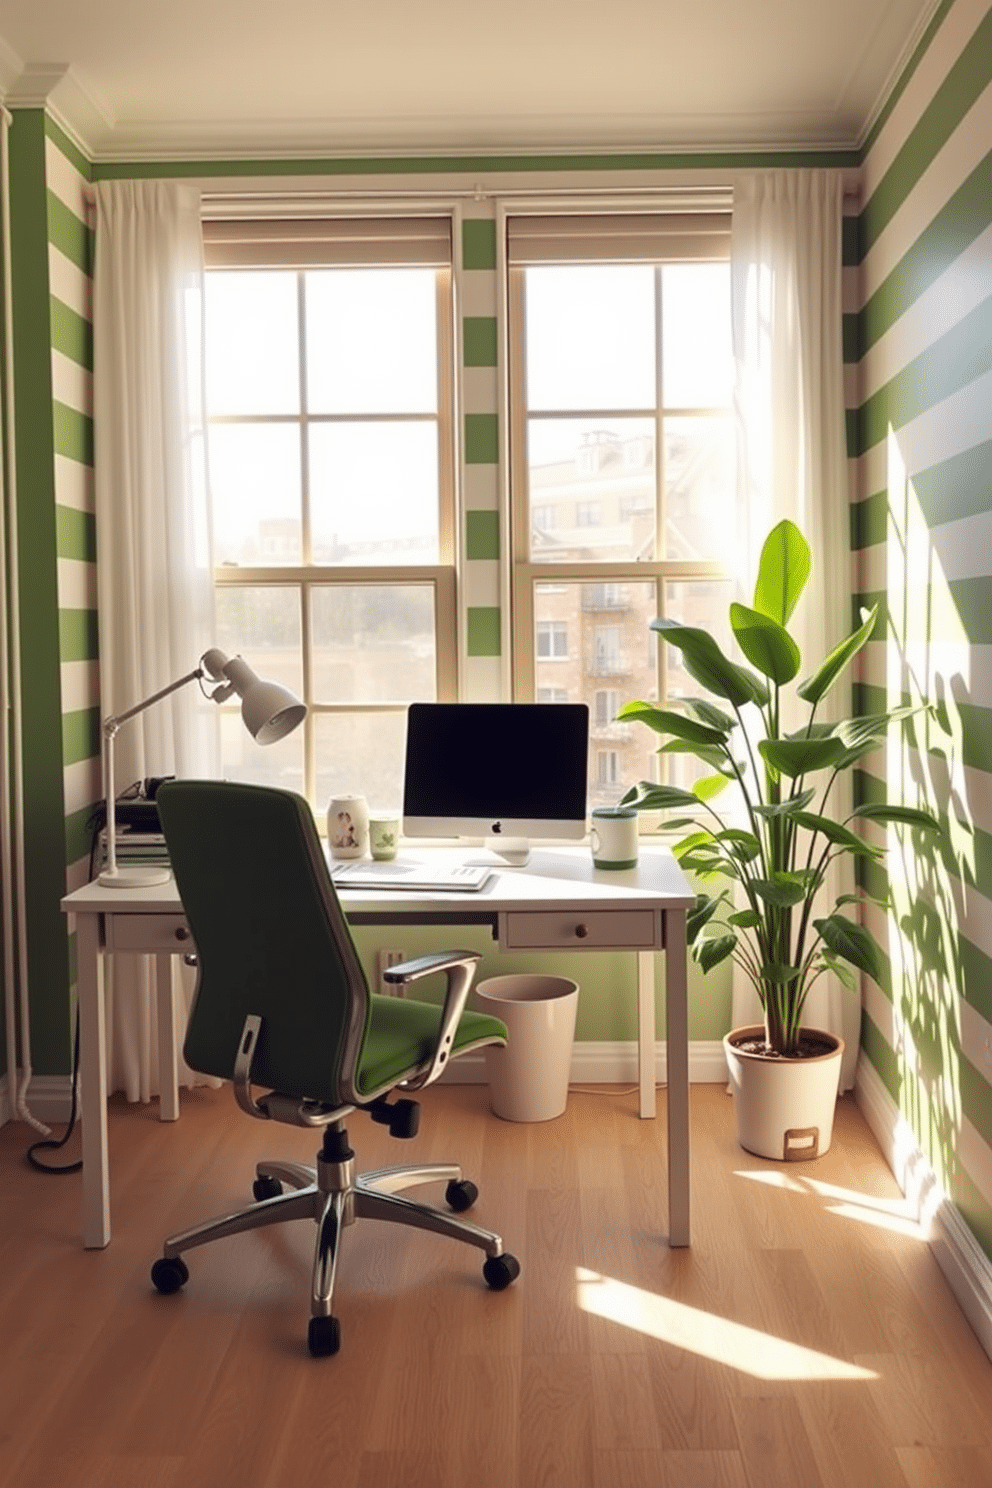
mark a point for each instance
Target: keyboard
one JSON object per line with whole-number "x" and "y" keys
{"x": 454, "y": 877}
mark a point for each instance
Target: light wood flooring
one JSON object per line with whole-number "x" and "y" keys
{"x": 807, "y": 1338}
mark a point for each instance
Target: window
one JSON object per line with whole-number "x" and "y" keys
{"x": 606, "y": 706}
{"x": 328, "y": 374}
{"x": 552, "y": 640}
{"x": 620, "y": 423}
{"x": 552, "y": 694}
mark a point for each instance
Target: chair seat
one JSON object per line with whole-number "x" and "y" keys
{"x": 402, "y": 1035}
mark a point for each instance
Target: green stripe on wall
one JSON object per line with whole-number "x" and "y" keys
{"x": 475, "y": 165}
{"x": 883, "y": 1058}
{"x": 75, "y": 534}
{"x": 869, "y": 521}
{"x": 952, "y": 361}
{"x": 78, "y": 639}
{"x": 964, "y": 83}
{"x": 481, "y": 439}
{"x": 61, "y": 140}
{"x": 478, "y": 243}
{"x": 482, "y": 534}
{"x": 72, "y": 334}
{"x": 479, "y": 341}
{"x": 80, "y": 735}
{"x": 69, "y": 234}
{"x": 956, "y": 488}
{"x": 976, "y": 977}
{"x": 484, "y": 631}
{"x": 73, "y": 433}
{"x": 962, "y": 219}
{"x": 973, "y": 1207}
{"x": 975, "y": 1101}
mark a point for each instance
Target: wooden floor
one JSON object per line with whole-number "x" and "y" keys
{"x": 807, "y": 1337}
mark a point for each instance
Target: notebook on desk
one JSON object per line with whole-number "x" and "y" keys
{"x": 457, "y": 877}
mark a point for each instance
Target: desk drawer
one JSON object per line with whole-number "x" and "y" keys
{"x": 147, "y": 933}
{"x": 580, "y": 930}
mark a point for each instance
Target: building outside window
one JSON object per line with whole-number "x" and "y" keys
{"x": 552, "y": 640}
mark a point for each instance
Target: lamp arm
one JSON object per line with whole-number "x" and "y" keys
{"x": 112, "y": 724}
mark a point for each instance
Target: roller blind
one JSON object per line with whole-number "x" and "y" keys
{"x": 618, "y": 238}
{"x": 328, "y": 242}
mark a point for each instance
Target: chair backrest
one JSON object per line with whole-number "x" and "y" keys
{"x": 271, "y": 938}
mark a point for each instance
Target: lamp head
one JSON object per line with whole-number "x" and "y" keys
{"x": 269, "y": 711}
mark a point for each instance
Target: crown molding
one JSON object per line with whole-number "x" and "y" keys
{"x": 55, "y": 87}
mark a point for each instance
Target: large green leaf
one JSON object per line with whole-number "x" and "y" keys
{"x": 705, "y": 908}
{"x": 766, "y": 644}
{"x": 907, "y": 816}
{"x": 704, "y": 661}
{"x": 781, "y": 893}
{"x": 834, "y": 832}
{"x": 666, "y": 721}
{"x": 873, "y": 727}
{"x": 795, "y": 757}
{"x": 709, "y": 713}
{"x": 826, "y": 674}
{"x": 783, "y": 571}
{"x": 711, "y": 754}
{"x": 709, "y": 786}
{"x": 840, "y": 969}
{"x": 852, "y": 943}
{"x": 709, "y": 953}
{"x": 744, "y": 846}
{"x": 646, "y": 796}
{"x": 789, "y": 807}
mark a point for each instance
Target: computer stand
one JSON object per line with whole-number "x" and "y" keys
{"x": 514, "y": 851}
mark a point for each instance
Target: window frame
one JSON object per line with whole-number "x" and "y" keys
{"x": 300, "y": 255}
{"x": 631, "y": 236}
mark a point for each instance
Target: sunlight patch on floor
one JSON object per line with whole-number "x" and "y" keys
{"x": 749, "y": 1350}
{"x": 900, "y": 1216}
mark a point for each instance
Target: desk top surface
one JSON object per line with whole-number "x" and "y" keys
{"x": 552, "y": 876}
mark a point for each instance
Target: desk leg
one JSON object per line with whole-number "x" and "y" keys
{"x": 645, "y": 1032}
{"x": 168, "y": 1057}
{"x": 677, "y": 1034}
{"x": 93, "y": 1078}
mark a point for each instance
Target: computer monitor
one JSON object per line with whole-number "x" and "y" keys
{"x": 503, "y": 771}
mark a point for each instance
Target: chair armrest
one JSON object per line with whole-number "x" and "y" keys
{"x": 460, "y": 969}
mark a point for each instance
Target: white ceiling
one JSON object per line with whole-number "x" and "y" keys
{"x": 194, "y": 78}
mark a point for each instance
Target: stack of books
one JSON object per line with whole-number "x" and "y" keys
{"x": 135, "y": 849}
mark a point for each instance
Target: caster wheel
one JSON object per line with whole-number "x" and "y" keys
{"x": 266, "y": 1188}
{"x": 169, "y": 1273}
{"x": 324, "y": 1336}
{"x": 460, "y": 1196}
{"x": 499, "y": 1271}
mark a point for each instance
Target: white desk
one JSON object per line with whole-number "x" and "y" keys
{"x": 557, "y": 902}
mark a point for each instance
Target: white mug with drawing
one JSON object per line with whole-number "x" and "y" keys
{"x": 348, "y": 827}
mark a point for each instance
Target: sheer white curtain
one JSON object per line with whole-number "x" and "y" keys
{"x": 789, "y": 395}
{"x": 153, "y": 557}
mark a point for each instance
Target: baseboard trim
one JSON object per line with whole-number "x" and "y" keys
{"x": 49, "y": 1099}
{"x": 965, "y": 1265}
{"x": 610, "y": 1062}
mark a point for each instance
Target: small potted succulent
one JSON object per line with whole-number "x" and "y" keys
{"x": 767, "y": 859}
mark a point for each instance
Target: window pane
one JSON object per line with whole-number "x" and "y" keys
{"x": 255, "y": 493}
{"x": 373, "y": 643}
{"x": 360, "y": 754}
{"x": 374, "y": 492}
{"x": 252, "y": 343}
{"x": 696, "y": 351}
{"x": 371, "y": 341}
{"x": 700, "y": 491}
{"x": 590, "y": 336}
{"x": 612, "y": 659}
{"x": 592, "y": 489}
{"x": 261, "y": 622}
{"x": 279, "y": 765}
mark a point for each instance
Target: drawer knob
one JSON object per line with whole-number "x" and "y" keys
{"x": 182, "y": 933}
{"x": 582, "y": 931}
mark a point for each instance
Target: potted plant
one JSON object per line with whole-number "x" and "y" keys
{"x": 778, "y": 845}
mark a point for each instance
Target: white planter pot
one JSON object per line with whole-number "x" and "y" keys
{"x": 784, "y": 1107}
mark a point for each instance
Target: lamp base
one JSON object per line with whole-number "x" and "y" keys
{"x": 134, "y": 878}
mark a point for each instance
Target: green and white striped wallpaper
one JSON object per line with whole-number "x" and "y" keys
{"x": 922, "y": 543}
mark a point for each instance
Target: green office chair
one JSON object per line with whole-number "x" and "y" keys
{"x": 282, "y": 1003}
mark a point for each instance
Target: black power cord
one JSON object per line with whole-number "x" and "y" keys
{"x": 138, "y": 791}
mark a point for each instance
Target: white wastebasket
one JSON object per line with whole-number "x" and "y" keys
{"x": 528, "y": 1080}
